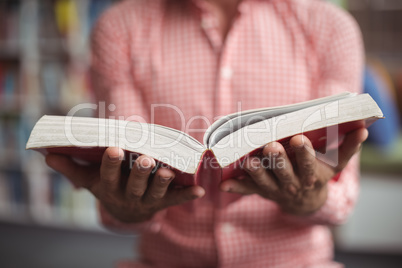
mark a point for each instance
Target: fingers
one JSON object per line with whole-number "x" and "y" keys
{"x": 244, "y": 186}
{"x": 110, "y": 170}
{"x": 179, "y": 196}
{"x": 350, "y": 145}
{"x": 138, "y": 179}
{"x": 78, "y": 175}
{"x": 281, "y": 166}
{"x": 305, "y": 159}
{"x": 155, "y": 192}
{"x": 142, "y": 196}
{"x": 260, "y": 176}
{"x": 159, "y": 185}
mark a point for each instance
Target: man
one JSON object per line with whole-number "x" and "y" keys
{"x": 182, "y": 64}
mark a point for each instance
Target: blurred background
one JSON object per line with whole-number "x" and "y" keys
{"x": 44, "y": 59}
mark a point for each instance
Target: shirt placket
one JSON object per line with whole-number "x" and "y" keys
{"x": 209, "y": 24}
{"x": 223, "y": 104}
{"x": 223, "y": 99}
{"x": 225, "y": 231}
{"x": 224, "y": 82}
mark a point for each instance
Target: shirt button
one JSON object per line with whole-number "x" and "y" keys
{"x": 226, "y": 72}
{"x": 227, "y": 228}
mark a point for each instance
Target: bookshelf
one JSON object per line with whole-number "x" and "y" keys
{"x": 374, "y": 223}
{"x": 381, "y": 25}
{"x": 44, "y": 58}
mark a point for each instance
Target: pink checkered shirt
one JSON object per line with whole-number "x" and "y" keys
{"x": 277, "y": 52}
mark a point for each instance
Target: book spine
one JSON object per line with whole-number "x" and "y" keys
{"x": 209, "y": 176}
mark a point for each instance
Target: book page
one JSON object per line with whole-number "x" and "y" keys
{"x": 233, "y": 122}
{"x": 249, "y": 138}
{"x": 170, "y": 146}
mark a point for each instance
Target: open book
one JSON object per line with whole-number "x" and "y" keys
{"x": 226, "y": 142}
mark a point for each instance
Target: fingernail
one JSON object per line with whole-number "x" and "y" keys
{"x": 299, "y": 146}
{"x": 114, "y": 158}
{"x": 227, "y": 189}
{"x": 144, "y": 168}
{"x": 165, "y": 179}
{"x": 145, "y": 164}
{"x": 275, "y": 154}
{"x": 252, "y": 168}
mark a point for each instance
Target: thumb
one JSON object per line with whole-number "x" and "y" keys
{"x": 179, "y": 196}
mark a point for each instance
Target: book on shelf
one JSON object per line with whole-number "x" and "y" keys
{"x": 226, "y": 142}
{"x": 33, "y": 81}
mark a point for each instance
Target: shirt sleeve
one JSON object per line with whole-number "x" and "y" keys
{"x": 115, "y": 89}
{"x": 339, "y": 50}
{"x": 112, "y": 76}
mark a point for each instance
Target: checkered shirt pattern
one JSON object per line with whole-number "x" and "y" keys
{"x": 151, "y": 52}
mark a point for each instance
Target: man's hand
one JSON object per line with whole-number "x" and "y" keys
{"x": 135, "y": 201}
{"x": 298, "y": 186}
